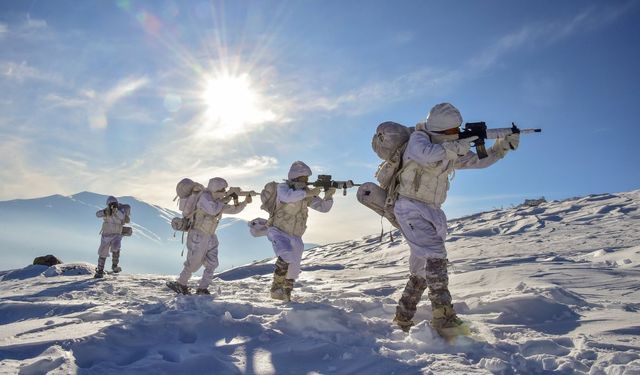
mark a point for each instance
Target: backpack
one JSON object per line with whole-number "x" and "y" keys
{"x": 185, "y": 189}
{"x": 126, "y": 209}
{"x": 389, "y": 142}
{"x": 268, "y": 196}
{"x": 375, "y": 197}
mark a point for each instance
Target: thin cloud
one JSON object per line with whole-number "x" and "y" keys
{"x": 100, "y": 105}
{"x": 26, "y": 175}
{"x": 20, "y": 177}
{"x": 549, "y": 33}
{"x": 372, "y": 95}
{"x": 427, "y": 80}
{"x": 59, "y": 101}
{"x": 34, "y": 24}
{"x": 22, "y": 72}
{"x": 154, "y": 183}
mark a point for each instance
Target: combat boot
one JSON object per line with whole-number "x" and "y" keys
{"x": 115, "y": 259}
{"x": 279, "y": 280}
{"x": 288, "y": 288}
{"x": 447, "y": 324}
{"x": 408, "y": 303}
{"x": 444, "y": 317}
{"x": 100, "y": 269}
{"x": 178, "y": 288}
{"x": 402, "y": 322}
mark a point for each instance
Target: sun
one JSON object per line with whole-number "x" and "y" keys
{"x": 232, "y": 105}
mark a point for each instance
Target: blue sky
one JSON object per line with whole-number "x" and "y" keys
{"x": 127, "y": 97}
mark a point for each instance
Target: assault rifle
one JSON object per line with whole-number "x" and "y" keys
{"x": 479, "y": 129}
{"x": 233, "y": 193}
{"x": 324, "y": 181}
{"x": 240, "y": 193}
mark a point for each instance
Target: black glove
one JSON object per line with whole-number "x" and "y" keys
{"x": 228, "y": 198}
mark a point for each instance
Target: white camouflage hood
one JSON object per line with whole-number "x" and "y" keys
{"x": 442, "y": 116}
{"x": 217, "y": 184}
{"x": 298, "y": 169}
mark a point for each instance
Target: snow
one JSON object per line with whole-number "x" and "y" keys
{"x": 547, "y": 289}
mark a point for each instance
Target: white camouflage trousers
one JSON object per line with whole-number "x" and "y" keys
{"x": 425, "y": 229}
{"x": 289, "y": 248}
{"x": 109, "y": 242}
{"x": 203, "y": 251}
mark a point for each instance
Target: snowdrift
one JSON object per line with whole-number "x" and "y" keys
{"x": 547, "y": 289}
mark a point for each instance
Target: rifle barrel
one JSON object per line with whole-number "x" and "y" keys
{"x": 503, "y": 132}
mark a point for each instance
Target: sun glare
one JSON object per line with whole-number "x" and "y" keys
{"x": 232, "y": 105}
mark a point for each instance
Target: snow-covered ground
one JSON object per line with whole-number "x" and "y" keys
{"x": 547, "y": 289}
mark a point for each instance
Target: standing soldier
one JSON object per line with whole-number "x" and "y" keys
{"x": 114, "y": 216}
{"x": 289, "y": 222}
{"x": 432, "y": 154}
{"x": 206, "y": 209}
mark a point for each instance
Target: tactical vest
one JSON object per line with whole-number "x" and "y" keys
{"x": 426, "y": 183}
{"x": 204, "y": 222}
{"x": 291, "y": 218}
{"x": 112, "y": 225}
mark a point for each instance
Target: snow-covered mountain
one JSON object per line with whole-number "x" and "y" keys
{"x": 547, "y": 289}
{"x": 67, "y": 227}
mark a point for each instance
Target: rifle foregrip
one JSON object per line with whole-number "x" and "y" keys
{"x": 481, "y": 151}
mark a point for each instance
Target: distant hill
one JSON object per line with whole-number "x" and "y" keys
{"x": 67, "y": 227}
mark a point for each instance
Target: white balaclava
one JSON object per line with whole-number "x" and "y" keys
{"x": 442, "y": 116}
{"x": 298, "y": 169}
{"x": 111, "y": 199}
{"x": 217, "y": 184}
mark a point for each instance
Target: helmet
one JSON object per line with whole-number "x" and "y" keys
{"x": 111, "y": 200}
{"x": 299, "y": 169}
{"x": 442, "y": 116}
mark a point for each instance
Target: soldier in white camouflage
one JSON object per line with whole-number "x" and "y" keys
{"x": 433, "y": 153}
{"x": 114, "y": 217}
{"x": 288, "y": 224}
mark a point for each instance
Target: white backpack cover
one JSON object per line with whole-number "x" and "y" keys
{"x": 258, "y": 227}
{"x": 185, "y": 190}
{"x": 389, "y": 137}
{"x": 268, "y": 196}
{"x": 375, "y": 197}
{"x": 389, "y": 143}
